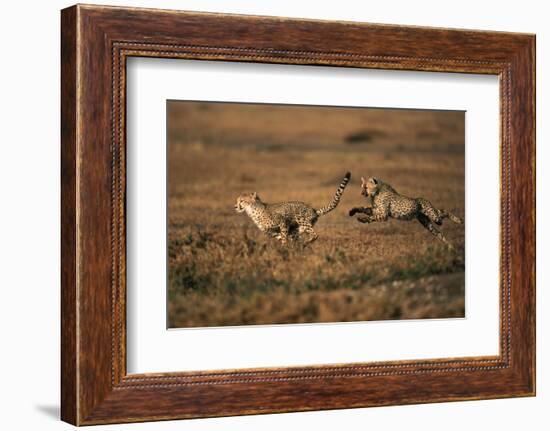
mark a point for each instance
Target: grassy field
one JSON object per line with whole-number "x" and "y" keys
{"x": 223, "y": 271}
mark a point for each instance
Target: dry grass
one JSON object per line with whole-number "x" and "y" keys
{"x": 223, "y": 271}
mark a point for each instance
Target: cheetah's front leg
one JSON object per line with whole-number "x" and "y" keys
{"x": 372, "y": 218}
{"x": 363, "y": 210}
{"x": 366, "y": 219}
{"x": 283, "y": 234}
{"x": 379, "y": 214}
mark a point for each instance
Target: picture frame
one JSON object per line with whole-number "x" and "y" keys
{"x": 96, "y": 42}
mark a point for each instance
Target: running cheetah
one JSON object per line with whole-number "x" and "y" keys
{"x": 386, "y": 202}
{"x": 287, "y": 219}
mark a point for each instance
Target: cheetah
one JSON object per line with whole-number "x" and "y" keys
{"x": 287, "y": 220}
{"x": 386, "y": 202}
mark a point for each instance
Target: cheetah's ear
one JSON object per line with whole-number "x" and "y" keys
{"x": 363, "y": 181}
{"x": 374, "y": 180}
{"x": 254, "y": 195}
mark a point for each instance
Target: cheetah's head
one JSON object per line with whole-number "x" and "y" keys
{"x": 369, "y": 187}
{"x": 245, "y": 200}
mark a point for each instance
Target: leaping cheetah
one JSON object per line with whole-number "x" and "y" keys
{"x": 386, "y": 202}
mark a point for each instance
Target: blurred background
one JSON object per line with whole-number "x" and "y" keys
{"x": 224, "y": 271}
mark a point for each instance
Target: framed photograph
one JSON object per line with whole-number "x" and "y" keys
{"x": 263, "y": 215}
{"x": 315, "y": 264}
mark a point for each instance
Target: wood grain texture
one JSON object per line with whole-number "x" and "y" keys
{"x": 96, "y": 41}
{"x": 69, "y": 397}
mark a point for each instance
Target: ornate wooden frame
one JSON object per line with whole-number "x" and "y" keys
{"x": 95, "y": 43}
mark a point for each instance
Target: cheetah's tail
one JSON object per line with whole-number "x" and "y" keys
{"x": 334, "y": 202}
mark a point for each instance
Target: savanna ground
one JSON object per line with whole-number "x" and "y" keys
{"x": 223, "y": 271}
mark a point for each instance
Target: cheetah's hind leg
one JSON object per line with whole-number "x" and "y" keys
{"x": 427, "y": 223}
{"x": 436, "y": 215}
{"x": 294, "y": 233}
{"x": 430, "y": 212}
{"x": 307, "y": 229}
{"x": 445, "y": 214}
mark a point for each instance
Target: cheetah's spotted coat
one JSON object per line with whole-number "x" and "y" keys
{"x": 386, "y": 202}
{"x": 287, "y": 220}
